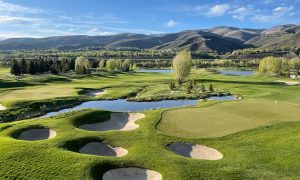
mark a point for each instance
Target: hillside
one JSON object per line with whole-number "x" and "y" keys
{"x": 279, "y": 36}
{"x": 218, "y": 39}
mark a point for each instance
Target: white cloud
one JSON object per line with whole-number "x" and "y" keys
{"x": 241, "y": 13}
{"x": 218, "y": 10}
{"x": 17, "y": 20}
{"x": 277, "y": 14}
{"x": 171, "y": 23}
{"x": 13, "y": 8}
{"x": 96, "y": 32}
{"x": 15, "y": 35}
{"x": 280, "y": 10}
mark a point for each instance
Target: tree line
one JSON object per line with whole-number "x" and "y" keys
{"x": 279, "y": 66}
{"x": 41, "y": 65}
{"x": 80, "y": 65}
{"x": 103, "y": 53}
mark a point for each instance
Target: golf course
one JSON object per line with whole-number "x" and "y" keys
{"x": 149, "y": 90}
{"x": 253, "y": 137}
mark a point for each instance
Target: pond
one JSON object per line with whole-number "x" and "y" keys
{"x": 156, "y": 70}
{"x": 122, "y": 105}
{"x": 236, "y": 72}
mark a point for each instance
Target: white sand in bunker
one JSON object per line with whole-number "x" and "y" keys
{"x": 289, "y": 83}
{"x": 132, "y": 173}
{"x": 195, "y": 151}
{"x": 37, "y": 134}
{"x": 96, "y": 93}
{"x": 2, "y": 107}
{"x": 100, "y": 149}
{"x": 118, "y": 121}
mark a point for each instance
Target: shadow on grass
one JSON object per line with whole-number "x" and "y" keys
{"x": 55, "y": 79}
{"x": 243, "y": 82}
{"x": 13, "y": 84}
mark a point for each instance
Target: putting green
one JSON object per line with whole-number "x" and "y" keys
{"x": 226, "y": 118}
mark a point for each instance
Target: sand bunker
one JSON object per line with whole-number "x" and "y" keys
{"x": 195, "y": 151}
{"x": 100, "y": 149}
{"x": 132, "y": 173}
{"x": 95, "y": 93}
{"x": 118, "y": 121}
{"x": 290, "y": 83}
{"x": 37, "y": 134}
{"x": 2, "y": 107}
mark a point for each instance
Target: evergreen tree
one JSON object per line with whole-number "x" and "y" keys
{"x": 191, "y": 84}
{"x": 55, "y": 68}
{"x": 31, "y": 67}
{"x": 202, "y": 88}
{"x": 15, "y": 68}
{"x": 23, "y": 66}
{"x": 65, "y": 67}
{"x": 172, "y": 85}
{"x": 194, "y": 82}
{"x": 210, "y": 88}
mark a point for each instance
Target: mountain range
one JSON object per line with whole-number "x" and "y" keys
{"x": 218, "y": 39}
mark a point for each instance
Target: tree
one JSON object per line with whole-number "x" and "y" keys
{"x": 134, "y": 67}
{"x": 210, "y": 88}
{"x": 294, "y": 64}
{"x": 81, "y": 65}
{"x": 64, "y": 65}
{"x": 273, "y": 65}
{"x": 194, "y": 82}
{"x": 31, "y": 67}
{"x": 172, "y": 85}
{"x": 112, "y": 65}
{"x": 15, "y": 68}
{"x": 125, "y": 65}
{"x": 55, "y": 69}
{"x": 187, "y": 88}
{"x": 202, "y": 88}
{"x": 101, "y": 65}
{"x": 23, "y": 66}
{"x": 182, "y": 64}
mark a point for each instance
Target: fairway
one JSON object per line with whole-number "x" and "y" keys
{"x": 43, "y": 92}
{"x": 226, "y": 118}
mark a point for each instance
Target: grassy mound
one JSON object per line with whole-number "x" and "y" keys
{"x": 226, "y": 118}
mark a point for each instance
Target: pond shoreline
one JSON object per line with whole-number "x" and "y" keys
{"x": 46, "y": 107}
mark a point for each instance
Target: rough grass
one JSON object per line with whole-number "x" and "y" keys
{"x": 226, "y": 118}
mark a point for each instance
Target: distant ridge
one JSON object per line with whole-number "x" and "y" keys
{"x": 218, "y": 39}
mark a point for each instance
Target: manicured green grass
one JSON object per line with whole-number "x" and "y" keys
{"x": 265, "y": 143}
{"x": 50, "y": 86}
{"x": 270, "y": 152}
{"x": 226, "y": 118}
{"x": 36, "y": 93}
{"x": 4, "y": 70}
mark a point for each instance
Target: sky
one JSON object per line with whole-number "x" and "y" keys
{"x": 44, "y": 18}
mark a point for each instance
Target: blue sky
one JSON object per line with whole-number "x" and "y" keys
{"x": 42, "y": 18}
